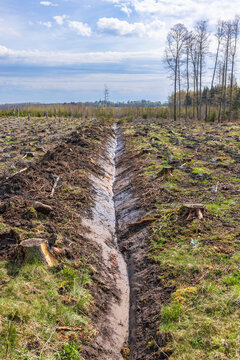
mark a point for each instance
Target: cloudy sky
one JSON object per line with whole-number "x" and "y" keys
{"x": 66, "y": 50}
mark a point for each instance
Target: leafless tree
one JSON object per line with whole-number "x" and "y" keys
{"x": 174, "y": 51}
{"x": 188, "y": 44}
{"x": 233, "y": 50}
{"x": 219, "y": 35}
{"x": 227, "y": 39}
{"x": 194, "y": 56}
{"x": 202, "y": 45}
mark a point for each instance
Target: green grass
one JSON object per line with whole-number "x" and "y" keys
{"x": 34, "y": 301}
{"x": 198, "y": 259}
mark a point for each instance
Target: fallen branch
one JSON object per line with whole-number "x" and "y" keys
{"x": 48, "y": 340}
{"x": 19, "y": 172}
{"x": 143, "y": 221}
{"x": 68, "y": 328}
{"x": 54, "y": 186}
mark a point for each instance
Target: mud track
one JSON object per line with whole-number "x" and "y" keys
{"x": 133, "y": 313}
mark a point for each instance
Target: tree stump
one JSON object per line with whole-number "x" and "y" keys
{"x": 148, "y": 151}
{"x": 37, "y": 249}
{"x": 191, "y": 211}
{"x": 164, "y": 173}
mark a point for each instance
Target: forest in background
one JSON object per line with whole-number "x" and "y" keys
{"x": 187, "y": 57}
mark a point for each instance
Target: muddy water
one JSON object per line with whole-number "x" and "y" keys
{"x": 102, "y": 229}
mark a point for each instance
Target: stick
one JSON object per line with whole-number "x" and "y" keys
{"x": 146, "y": 220}
{"x": 54, "y": 186}
{"x": 19, "y": 172}
{"x": 44, "y": 346}
{"x": 68, "y": 328}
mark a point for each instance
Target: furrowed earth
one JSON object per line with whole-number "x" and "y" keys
{"x": 140, "y": 221}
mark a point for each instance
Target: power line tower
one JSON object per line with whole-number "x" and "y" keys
{"x": 106, "y": 94}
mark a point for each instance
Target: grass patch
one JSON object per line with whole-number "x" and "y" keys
{"x": 34, "y": 301}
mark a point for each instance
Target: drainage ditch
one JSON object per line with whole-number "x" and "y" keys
{"x": 127, "y": 325}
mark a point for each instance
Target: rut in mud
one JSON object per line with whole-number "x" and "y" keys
{"x": 129, "y": 321}
{"x": 113, "y": 332}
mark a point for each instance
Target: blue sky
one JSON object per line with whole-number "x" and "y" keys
{"x": 66, "y": 50}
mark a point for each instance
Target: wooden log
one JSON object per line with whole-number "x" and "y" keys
{"x": 42, "y": 208}
{"x": 37, "y": 249}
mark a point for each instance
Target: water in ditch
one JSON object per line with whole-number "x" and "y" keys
{"x": 102, "y": 229}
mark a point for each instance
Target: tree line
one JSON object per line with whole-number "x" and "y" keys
{"x": 187, "y": 56}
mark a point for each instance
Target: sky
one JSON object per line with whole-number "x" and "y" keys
{"x": 66, "y": 50}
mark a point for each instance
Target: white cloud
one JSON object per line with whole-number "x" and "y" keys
{"x": 154, "y": 29}
{"x": 77, "y": 26}
{"x": 186, "y": 11}
{"x": 80, "y": 28}
{"x": 47, "y": 3}
{"x": 48, "y": 24}
{"x": 125, "y": 9}
{"x": 60, "y": 19}
{"x": 69, "y": 58}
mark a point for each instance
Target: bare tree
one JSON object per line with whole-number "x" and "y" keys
{"x": 195, "y": 61}
{"x": 219, "y": 35}
{"x": 188, "y": 44}
{"x": 174, "y": 51}
{"x": 233, "y": 50}
{"x": 227, "y": 36}
{"x": 202, "y": 43}
{"x": 228, "y": 33}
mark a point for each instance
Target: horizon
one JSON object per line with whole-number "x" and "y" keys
{"x": 63, "y": 51}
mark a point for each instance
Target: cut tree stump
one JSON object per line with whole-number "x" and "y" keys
{"x": 191, "y": 211}
{"x": 148, "y": 151}
{"x": 37, "y": 249}
{"x": 42, "y": 208}
{"x": 165, "y": 172}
